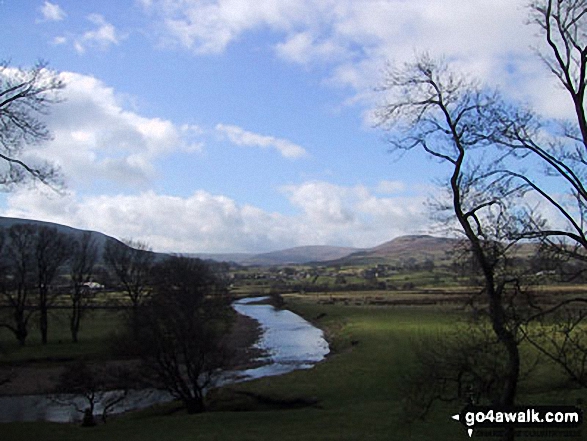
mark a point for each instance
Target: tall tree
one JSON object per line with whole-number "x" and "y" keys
{"x": 491, "y": 148}
{"x": 131, "y": 262}
{"x": 26, "y": 95}
{"x": 83, "y": 260}
{"x": 560, "y": 148}
{"x": 52, "y": 250}
{"x": 20, "y": 279}
{"x": 450, "y": 118}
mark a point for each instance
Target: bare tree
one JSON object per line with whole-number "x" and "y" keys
{"x": 182, "y": 329}
{"x": 131, "y": 263}
{"x": 83, "y": 260}
{"x": 561, "y": 336}
{"x": 465, "y": 366}
{"x": 19, "y": 281}
{"x": 563, "y": 25}
{"x": 561, "y": 149}
{"x": 25, "y": 97}
{"x": 487, "y": 144}
{"x": 52, "y": 250}
{"x": 455, "y": 120}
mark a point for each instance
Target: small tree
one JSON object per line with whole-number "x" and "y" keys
{"x": 465, "y": 364}
{"x": 182, "y": 329}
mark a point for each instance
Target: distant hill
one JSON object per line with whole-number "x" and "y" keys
{"x": 290, "y": 256}
{"x": 238, "y": 258}
{"x": 418, "y": 247}
{"x": 421, "y": 248}
{"x": 100, "y": 238}
{"x": 299, "y": 255}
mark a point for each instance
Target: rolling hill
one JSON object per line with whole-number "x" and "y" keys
{"x": 420, "y": 247}
{"x": 100, "y": 238}
{"x": 299, "y": 255}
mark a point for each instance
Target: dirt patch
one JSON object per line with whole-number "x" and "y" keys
{"x": 245, "y": 333}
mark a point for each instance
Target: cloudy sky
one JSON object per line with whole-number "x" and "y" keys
{"x": 244, "y": 125}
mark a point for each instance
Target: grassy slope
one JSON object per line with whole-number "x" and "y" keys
{"x": 358, "y": 392}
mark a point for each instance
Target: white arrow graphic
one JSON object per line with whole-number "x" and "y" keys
{"x": 457, "y": 417}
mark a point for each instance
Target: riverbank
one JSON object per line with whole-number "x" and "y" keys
{"x": 357, "y": 394}
{"x": 38, "y": 376}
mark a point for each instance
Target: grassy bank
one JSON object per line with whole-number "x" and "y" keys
{"x": 356, "y": 394}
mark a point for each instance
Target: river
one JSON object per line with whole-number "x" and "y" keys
{"x": 289, "y": 341}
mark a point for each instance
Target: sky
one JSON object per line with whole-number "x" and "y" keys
{"x": 247, "y": 125}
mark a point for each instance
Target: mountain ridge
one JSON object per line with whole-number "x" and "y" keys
{"x": 402, "y": 247}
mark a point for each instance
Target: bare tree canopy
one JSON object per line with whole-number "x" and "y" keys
{"x": 131, "y": 263}
{"x": 25, "y": 97}
{"x": 183, "y": 329}
{"x": 499, "y": 156}
{"x": 564, "y": 26}
{"x": 452, "y": 118}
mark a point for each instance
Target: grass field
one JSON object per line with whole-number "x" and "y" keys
{"x": 357, "y": 391}
{"x": 96, "y": 328}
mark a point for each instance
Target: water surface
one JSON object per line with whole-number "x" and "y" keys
{"x": 289, "y": 342}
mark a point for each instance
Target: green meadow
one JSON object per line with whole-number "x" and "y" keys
{"x": 357, "y": 393}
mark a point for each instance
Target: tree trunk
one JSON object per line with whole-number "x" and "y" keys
{"x": 195, "y": 405}
{"x": 43, "y": 309}
{"x": 74, "y": 321}
{"x": 20, "y": 330}
{"x": 43, "y": 324}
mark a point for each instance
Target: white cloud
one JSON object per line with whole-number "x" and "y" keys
{"x": 304, "y": 48}
{"x": 204, "y": 222}
{"x": 487, "y": 38}
{"x": 97, "y": 139}
{"x": 102, "y": 37}
{"x": 355, "y": 215}
{"x": 208, "y": 27}
{"x": 241, "y": 137}
{"x": 57, "y": 41}
{"x": 52, "y": 12}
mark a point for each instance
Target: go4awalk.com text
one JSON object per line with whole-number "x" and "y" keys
{"x": 563, "y": 418}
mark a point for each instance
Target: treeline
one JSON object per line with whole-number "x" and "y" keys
{"x": 33, "y": 259}
{"x": 42, "y": 268}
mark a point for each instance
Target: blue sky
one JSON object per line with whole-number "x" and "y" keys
{"x": 244, "y": 125}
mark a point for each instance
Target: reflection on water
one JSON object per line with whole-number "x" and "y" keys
{"x": 67, "y": 408}
{"x": 289, "y": 341}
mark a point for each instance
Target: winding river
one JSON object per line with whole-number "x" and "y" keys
{"x": 289, "y": 341}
